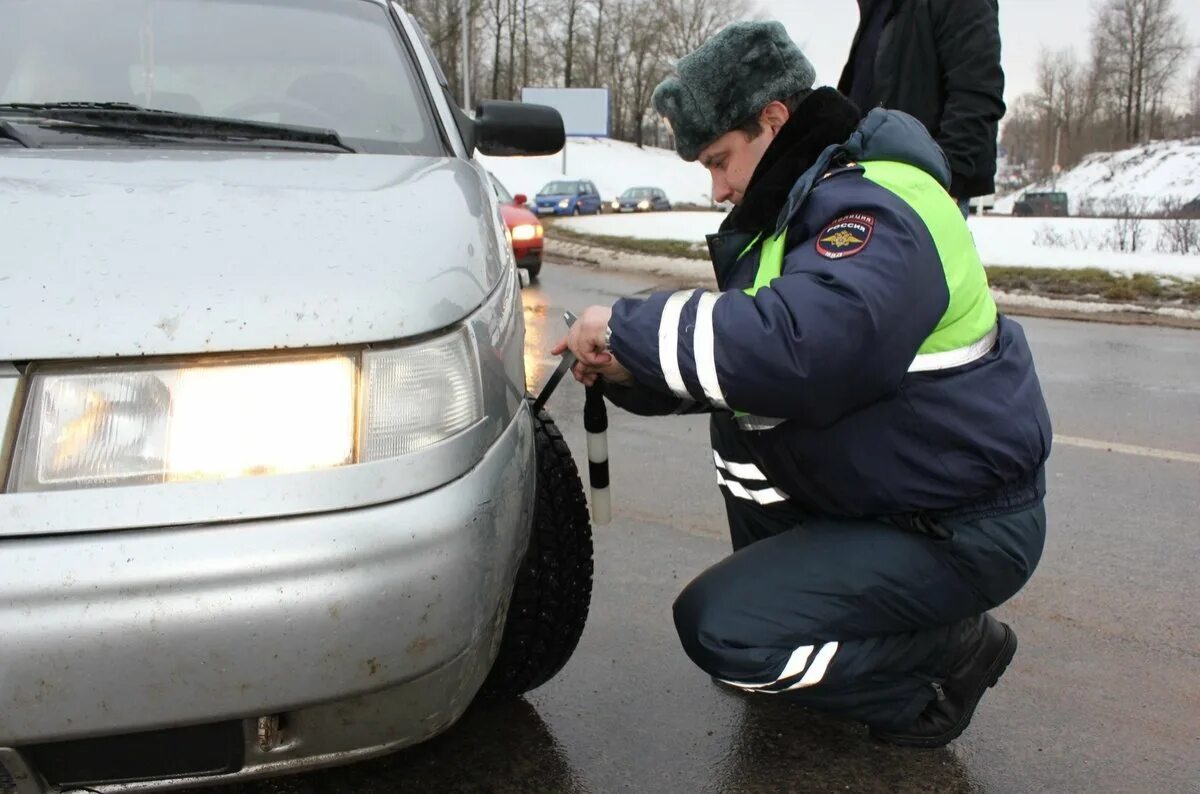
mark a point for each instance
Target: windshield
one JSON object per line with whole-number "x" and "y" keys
{"x": 332, "y": 64}
{"x": 560, "y": 188}
{"x": 637, "y": 193}
{"x": 501, "y": 191}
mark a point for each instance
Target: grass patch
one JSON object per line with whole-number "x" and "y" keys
{"x": 1094, "y": 282}
{"x": 675, "y": 248}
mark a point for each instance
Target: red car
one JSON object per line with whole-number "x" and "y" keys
{"x": 524, "y": 229}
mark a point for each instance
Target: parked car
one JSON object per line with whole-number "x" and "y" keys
{"x": 1042, "y": 204}
{"x": 267, "y": 469}
{"x": 982, "y": 205}
{"x": 524, "y": 229}
{"x": 641, "y": 199}
{"x": 568, "y": 197}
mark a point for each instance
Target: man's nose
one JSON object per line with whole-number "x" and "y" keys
{"x": 721, "y": 190}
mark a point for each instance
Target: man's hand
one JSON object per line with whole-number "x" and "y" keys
{"x": 586, "y": 340}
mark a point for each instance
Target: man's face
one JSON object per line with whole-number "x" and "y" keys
{"x": 732, "y": 158}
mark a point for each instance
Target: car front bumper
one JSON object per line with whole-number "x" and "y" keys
{"x": 529, "y": 257}
{"x": 352, "y": 632}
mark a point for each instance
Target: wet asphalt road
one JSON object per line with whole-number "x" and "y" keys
{"x": 1104, "y": 694}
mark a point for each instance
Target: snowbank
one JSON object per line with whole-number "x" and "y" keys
{"x": 690, "y": 227}
{"x": 613, "y": 165}
{"x": 1033, "y": 242}
{"x": 1153, "y": 172}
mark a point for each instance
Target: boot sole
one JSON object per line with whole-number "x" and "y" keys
{"x": 995, "y": 670}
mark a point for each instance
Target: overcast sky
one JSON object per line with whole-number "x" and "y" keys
{"x": 824, "y": 30}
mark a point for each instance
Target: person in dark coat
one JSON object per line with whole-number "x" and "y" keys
{"x": 878, "y": 429}
{"x": 939, "y": 61}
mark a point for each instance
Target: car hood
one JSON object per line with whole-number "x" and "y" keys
{"x": 515, "y": 216}
{"x": 164, "y": 252}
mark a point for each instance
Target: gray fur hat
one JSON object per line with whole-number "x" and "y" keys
{"x": 729, "y": 79}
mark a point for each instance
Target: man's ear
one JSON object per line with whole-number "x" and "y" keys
{"x": 774, "y": 115}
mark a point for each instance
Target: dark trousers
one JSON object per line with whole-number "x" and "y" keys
{"x": 855, "y": 617}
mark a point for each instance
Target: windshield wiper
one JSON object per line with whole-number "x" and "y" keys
{"x": 123, "y": 117}
{"x": 9, "y": 131}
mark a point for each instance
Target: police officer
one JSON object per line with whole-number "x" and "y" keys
{"x": 878, "y": 429}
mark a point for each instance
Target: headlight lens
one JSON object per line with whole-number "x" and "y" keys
{"x": 441, "y": 396}
{"x": 564, "y": 203}
{"x": 207, "y": 421}
{"x": 150, "y": 425}
{"x": 643, "y": 205}
{"x": 616, "y": 205}
{"x": 527, "y": 231}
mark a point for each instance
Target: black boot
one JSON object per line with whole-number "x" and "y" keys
{"x": 987, "y": 646}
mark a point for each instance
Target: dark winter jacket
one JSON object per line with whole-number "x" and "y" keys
{"x": 939, "y": 60}
{"x": 818, "y": 403}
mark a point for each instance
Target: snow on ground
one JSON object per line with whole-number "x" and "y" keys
{"x": 1033, "y": 242}
{"x": 613, "y": 165}
{"x": 1075, "y": 243}
{"x": 687, "y": 226}
{"x": 1153, "y": 172}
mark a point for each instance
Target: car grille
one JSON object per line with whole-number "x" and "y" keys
{"x": 194, "y": 751}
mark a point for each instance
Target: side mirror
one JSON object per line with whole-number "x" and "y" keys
{"x": 520, "y": 199}
{"x": 504, "y": 129}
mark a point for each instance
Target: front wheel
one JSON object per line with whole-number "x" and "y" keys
{"x": 533, "y": 270}
{"x": 553, "y": 590}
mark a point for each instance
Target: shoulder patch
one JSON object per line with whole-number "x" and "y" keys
{"x": 846, "y": 236}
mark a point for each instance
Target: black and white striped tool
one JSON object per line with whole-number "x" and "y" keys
{"x": 595, "y": 422}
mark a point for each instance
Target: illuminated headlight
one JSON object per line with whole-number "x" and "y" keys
{"x": 616, "y": 205}
{"x": 643, "y": 205}
{"x": 564, "y": 203}
{"x": 527, "y": 231}
{"x": 208, "y": 421}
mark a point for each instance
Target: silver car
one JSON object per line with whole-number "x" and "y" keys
{"x": 271, "y": 493}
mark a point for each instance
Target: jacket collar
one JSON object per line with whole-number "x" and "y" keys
{"x": 824, "y": 118}
{"x": 882, "y": 135}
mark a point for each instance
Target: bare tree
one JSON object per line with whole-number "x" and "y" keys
{"x": 690, "y": 23}
{"x": 628, "y": 46}
{"x": 1128, "y": 232}
{"x": 1181, "y": 228}
{"x": 648, "y": 66}
{"x": 572, "y": 9}
{"x": 1145, "y": 46}
{"x": 497, "y": 18}
{"x": 597, "y": 42}
{"x": 1194, "y": 102}
{"x": 524, "y": 42}
{"x": 617, "y": 68}
{"x": 512, "y": 50}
